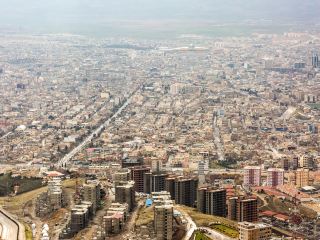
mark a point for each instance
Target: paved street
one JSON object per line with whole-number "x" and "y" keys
{"x": 9, "y": 229}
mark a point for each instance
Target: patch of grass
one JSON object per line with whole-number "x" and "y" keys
{"x": 314, "y": 106}
{"x": 215, "y": 165}
{"x": 7, "y": 183}
{"x": 204, "y": 219}
{"x": 16, "y": 203}
{"x": 228, "y": 231}
{"x": 145, "y": 216}
{"x": 28, "y": 232}
{"x": 301, "y": 116}
{"x": 201, "y": 236}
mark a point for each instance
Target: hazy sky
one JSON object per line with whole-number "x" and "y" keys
{"x": 46, "y": 14}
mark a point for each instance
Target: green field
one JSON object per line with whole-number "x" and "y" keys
{"x": 228, "y": 231}
{"x": 202, "y": 219}
{"x": 201, "y": 236}
{"x": 315, "y": 106}
{"x": 7, "y": 183}
{"x": 28, "y": 232}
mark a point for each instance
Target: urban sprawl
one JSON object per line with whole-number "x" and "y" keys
{"x": 191, "y": 138}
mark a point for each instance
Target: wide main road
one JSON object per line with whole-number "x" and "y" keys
{"x": 9, "y": 228}
{"x": 65, "y": 160}
{"x": 217, "y": 140}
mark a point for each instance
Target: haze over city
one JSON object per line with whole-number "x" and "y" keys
{"x": 109, "y": 18}
{"x": 159, "y": 120}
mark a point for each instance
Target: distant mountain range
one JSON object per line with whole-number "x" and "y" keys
{"x": 72, "y": 14}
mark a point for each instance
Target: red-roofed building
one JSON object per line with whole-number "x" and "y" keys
{"x": 282, "y": 217}
{"x": 268, "y": 213}
{"x": 52, "y": 174}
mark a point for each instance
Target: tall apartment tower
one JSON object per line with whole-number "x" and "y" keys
{"x": 157, "y": 182}
{"x": 307, "y": 162}
{"x": 232, "y": 204}
{"x": 137, "y": 175}
{"x": 202, "y": 166}
{"x": 91, "y": 193}
{"x": 285, "y": 163}
{"x": 124, "y": 193}
{"x": 212, "y": 201}
{"x": 294, "y": 163}
{"x": 275, "y": 177}
{"x": 252, "y": 176}
{"x": 156, "y": 166}
{"x": 154, "y": 182}
{"x": 185, "y": 191}
{"x": 247, "y": 210}
{"x": 315, "y": 60}
{"x": 123, "y": 175}
{"x": 55, "y": 193}
{"x": 169, "y": 186}
{"x": 163, "y": 222}
{"x": 254, "y": 231}
{"x": 79, "y": 218}
{"x": 302, "y": 177}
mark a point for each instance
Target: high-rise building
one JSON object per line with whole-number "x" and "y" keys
{"x": 91, "y": 193}
{"x": 146, "y": 182}
{"x": 295, "y": 163}
{"x": 212, "y": 201}
{"x": 252, "y": 176}
{"x": 156, "y": 166}
{"x": 123, "y": 175}
{"x": 315, "y": 60}
{"x": 232, "y": 204}
{"x": 307, "y": 161}
{"x": 51, "y": 200}
{"x": 157, "y": 182}
{"x": 202, "y": 166}
{"x": 201, "y": 199}
{"x": 299, "y": 65}
{"x": 302, "y": 177}
{"x": 137, "y": 175}
{"x": 163, "y": 222}
{"x": 170, "y": 186}
{"x": 131, "y": 162}
{"x": 79, "y": 218}
{"x": 154, "y": 182}
{"x": 113, "y": 224}
{"x": 275, "y": 177}
{"x": 114, "y": 220}
{"x": 55, "y": 193}
{"x": 247, "y": 210}
{"x": 254, "y": 231}
{"x": 285, "y": 163}
{"x": 185, "y": 191}
{"x": 124, "y": 193}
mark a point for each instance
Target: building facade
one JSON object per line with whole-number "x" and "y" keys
{"x": 252, "y": 176}
{"x": 275, "y": 177}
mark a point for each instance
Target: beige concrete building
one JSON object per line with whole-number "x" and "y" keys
{"x": 122, "y": 175}
{"x": 163, "y": 222}
{"x": 254, "y": 231}
{"x": 91, "y": 193}
{"x": 302, "y": 177}
{"x": 125, "y": 193}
